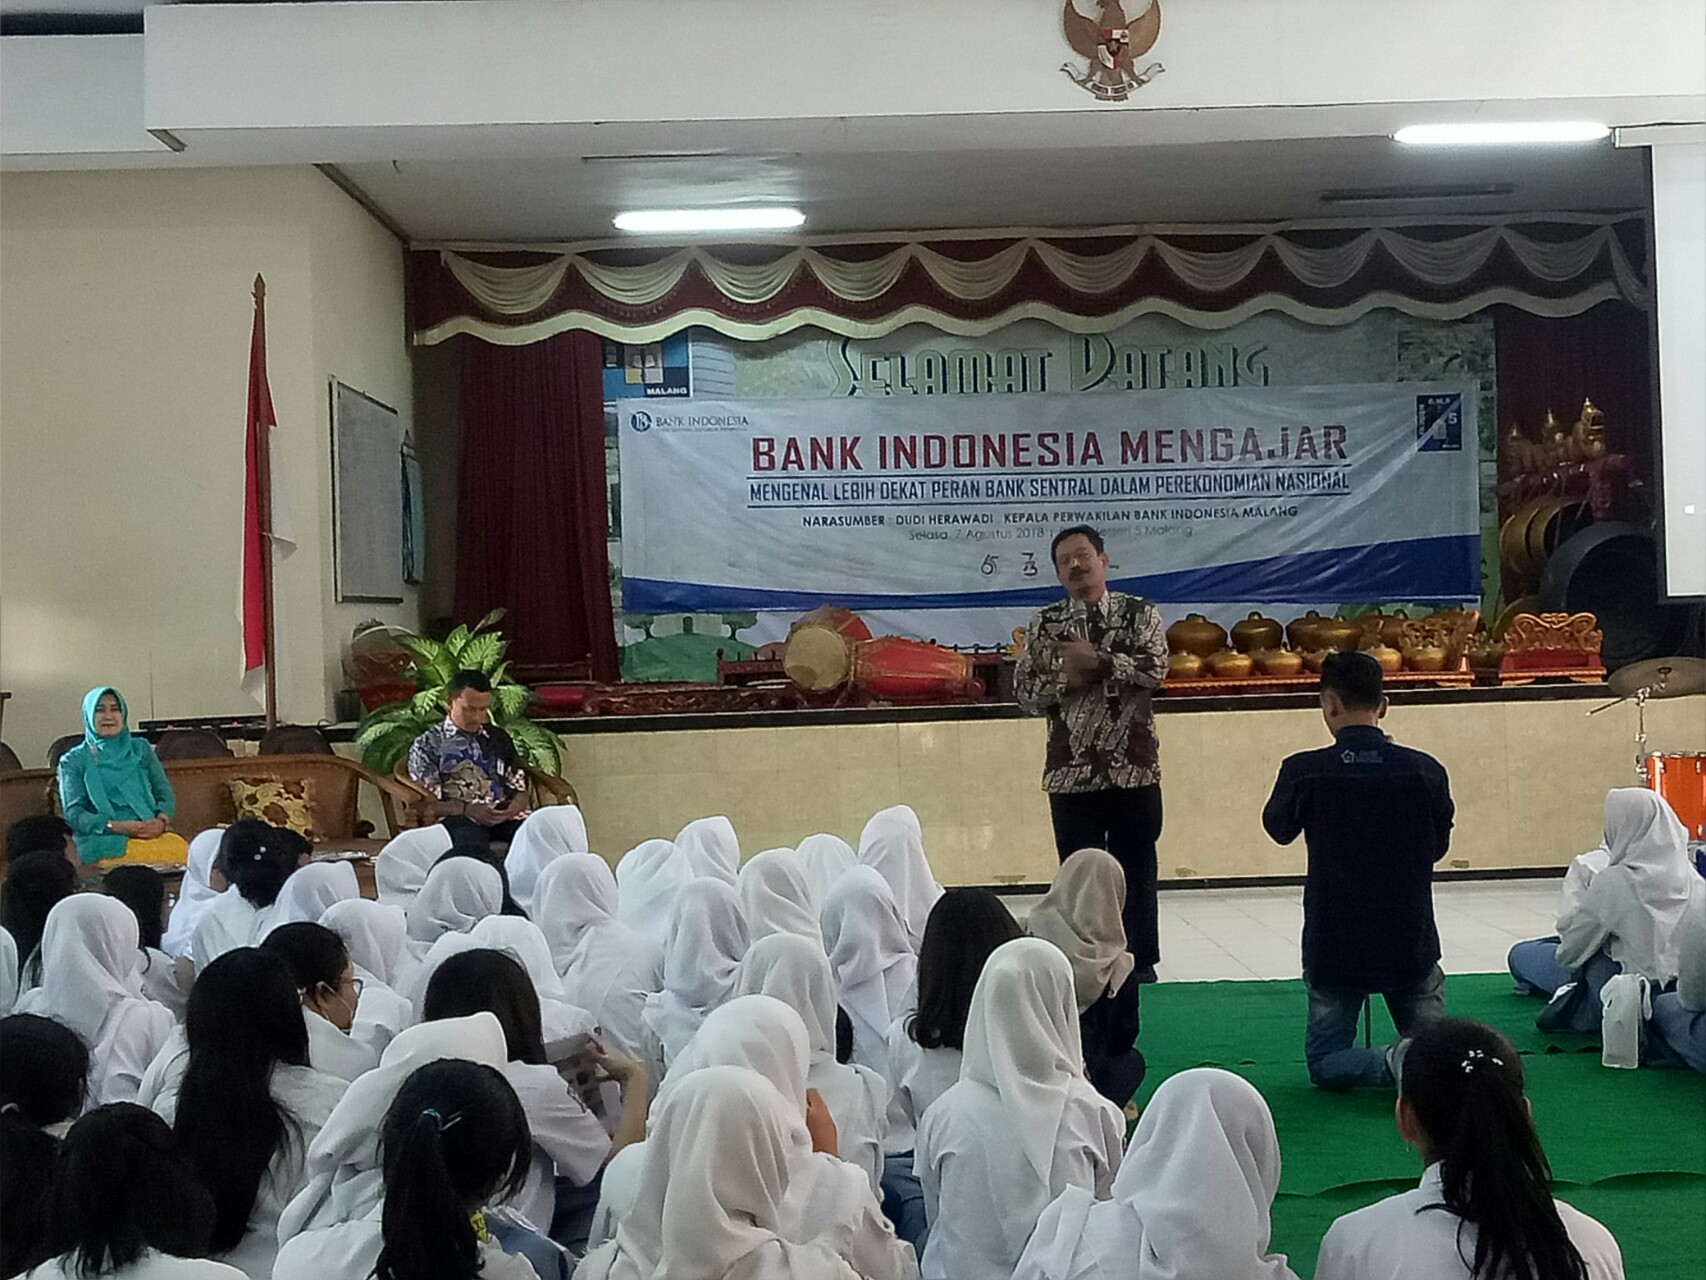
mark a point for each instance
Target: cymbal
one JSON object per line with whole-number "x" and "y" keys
{"x": 1660, "y": 677}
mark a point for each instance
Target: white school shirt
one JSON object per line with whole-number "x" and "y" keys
{"x": 1412, "y": 1236}
{"x": 152, "y": 1265}
{"x": 309, "y": 1096}
{"x": 350, "y": 1250}
{"x": 963, "y": 1137}
{"x": 920, "y": 1076}
{"x": 229, "y": 922}
{"x": 567, "y": 1139}
{"x": 163, "y": 981}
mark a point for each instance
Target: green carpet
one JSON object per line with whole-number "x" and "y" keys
{"x": 1628, "y": 1147}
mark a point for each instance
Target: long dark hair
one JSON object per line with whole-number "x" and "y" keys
{"x": 244, "y": 1018}
{"x": 455, "y": 1137}
{"x": 123, "y": 1186}
{"x": 314, "y": 954}
{"x": 1463, "y": 1081}
{"x": 494, "y": 982}
{"x": 44, "y": 1071}
{"x": 258, "y": 858}
{"x": 143, "y": 890}
{"x": 964, "y": 926}
{"x": 34, "y": 883}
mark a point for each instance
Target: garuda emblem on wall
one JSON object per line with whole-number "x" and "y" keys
{"x": 1112, "y": 35}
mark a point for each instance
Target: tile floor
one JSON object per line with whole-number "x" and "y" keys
{"x": 1210, "y": 935}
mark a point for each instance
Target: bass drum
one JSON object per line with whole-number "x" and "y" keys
{"x": 1681, "y": 780}
{"x": 818, "y": 654}
{"x": 1612, "y": 572}
{"x": 894, "y": 667}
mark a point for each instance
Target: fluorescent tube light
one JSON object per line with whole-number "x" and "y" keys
{"x": 651, "y": 221}
{"x": 1500, "y": 133}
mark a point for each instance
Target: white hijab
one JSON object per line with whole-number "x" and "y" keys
{"x": 545, "y": 835}
{"x": 1192, "y": 1200}
{"x": 8, "y": 972}
{"x": 309, "y": 892}
{"x": 1644, "y": 892}
{"x": 873, "y": 963}
{"x": 648, "y": 878}
{"x": 1022, "y": 1044}
{"x": 704, "y": 949}
{"x": 775, "y": 897}
{"x": 575, "y": 897}
{"x": 795, "y": 971}
{"x": 402, "y": 865}
{"x": 712, "y": 1182}
{"x": 711, "y": 847}
{"x": 1081, "y": 914}
{"x": 606, "y": 966}
{"x": 893, "y": 843}
{"x": 823, "y": 858}
{"x": 457, "y": 895}
{"x": 344, "y": 1175}
{"x": 195, "y": 894}
{"x": 376, "y": 935}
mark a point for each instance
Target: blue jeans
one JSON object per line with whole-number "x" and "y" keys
{"x": 1335, "y": 1059}
{"x": 903, "y": 1201}
{"x": 1578, "y": 1008}
{"x": 1676, "y": 1033}
{"x": 1534, "y": 965}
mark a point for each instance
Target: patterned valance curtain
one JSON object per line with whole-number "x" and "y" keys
{"x": 1207, "y": 277}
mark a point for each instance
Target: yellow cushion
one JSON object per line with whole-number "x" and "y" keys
{"x": 283, "y": 804}
{"x": 169, "y": 848}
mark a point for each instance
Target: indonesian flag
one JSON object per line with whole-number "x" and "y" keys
{"x": 257, "y": 436}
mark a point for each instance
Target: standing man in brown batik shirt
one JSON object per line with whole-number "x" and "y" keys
{"x": 1091, "y": 664}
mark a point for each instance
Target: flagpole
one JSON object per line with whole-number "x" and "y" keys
{"x": 263, "y": 500}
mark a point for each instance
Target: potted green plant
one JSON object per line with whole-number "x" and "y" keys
{"x": 384, "y": 734}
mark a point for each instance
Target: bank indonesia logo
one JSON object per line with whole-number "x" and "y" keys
{"x": 640, "y": 420}
{"x": 1439, "y": 423}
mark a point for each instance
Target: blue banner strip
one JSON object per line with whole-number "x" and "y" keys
{"x": 1421, "y": 569}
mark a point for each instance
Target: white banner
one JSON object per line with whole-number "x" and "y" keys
{"x": 1246, "y": 494}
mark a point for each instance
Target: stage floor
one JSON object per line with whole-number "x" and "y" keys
{"x": 1628, "y": 1147}
{"x": 1219, "y": 935}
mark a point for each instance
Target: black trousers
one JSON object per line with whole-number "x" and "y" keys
{"x": 1109, "y": 1030}
{"x": 1126, "y": 821}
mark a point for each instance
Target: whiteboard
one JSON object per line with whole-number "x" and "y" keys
{"x": 367, "y": 497}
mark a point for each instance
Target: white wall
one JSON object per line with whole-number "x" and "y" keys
{"x": 124, "y": 333}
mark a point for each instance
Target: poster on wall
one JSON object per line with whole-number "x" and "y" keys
{"x": 923, "y": 505}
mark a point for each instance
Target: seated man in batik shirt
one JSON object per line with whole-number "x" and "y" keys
{"x": 470, "y": 766}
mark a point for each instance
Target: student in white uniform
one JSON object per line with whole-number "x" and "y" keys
{"x": 775, "y": 897}
{"x": 823, "y": 858}
{"x": 1082, "y": 914}
{"x": 308, "y": 894}
{"x": 1484, "y": 1207}
{"x": 1678, "y": 1023}
{"x": 569, "y": 1142}
{"x": 454, "y": 1139}
{"x": 795, "y": 971}
{"x": 712, "y": 1188}
{"x": 8, "y": 972}
{"x": 377, "y": 937}
{"x": 257, "y": 859}
{"x": 457, "y": 894}
{"x": 705, "y": 946}
{"x": 562, "y": 1018}
{"x": 44, "y": 1073}
{"x": 873, "y": 963}
{"x": 547, "y": 834}
{"x": 711, "y": 848}
{"x": 248, "y": 1105}
{"x": 829, "y": 1201}
{"x": 1622, "y": 917}
{"x": 925, "y": 1044}
{"x": 1020, "y": 1127}
{"x": 35, "y": 883}
{"x": 893, "y": 844}
{"x": 607, "y": 968}
{"x": 90, "y": 983}
{"x": 648, "y": 877}
{"x": 127, "y": 1205}
{"x": 402, "y": 865}
{"x": 143, "y": 890}
{"x": 348, "y": 1028}
{"x": 201, "y": 884}
{"x": 1193, "y": 1199}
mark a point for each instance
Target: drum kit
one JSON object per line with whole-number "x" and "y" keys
{"x": 1680, "y": 777}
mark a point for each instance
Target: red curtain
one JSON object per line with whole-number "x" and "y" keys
{"x": 531, "y": 506}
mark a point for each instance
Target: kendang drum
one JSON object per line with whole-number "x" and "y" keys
{"x": 894, "y": 667}
{"x": 1681, "y": 780}
{"x": 818, "y": 654}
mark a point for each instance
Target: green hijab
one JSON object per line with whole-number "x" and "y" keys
{"x": 115, "y": 775}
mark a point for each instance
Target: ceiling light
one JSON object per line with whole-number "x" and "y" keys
{"x": 652, "y": 221}
{"x": 1497, "y": 133}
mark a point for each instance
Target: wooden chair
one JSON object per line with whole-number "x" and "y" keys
{"x": 191, "y": 744}
{"x": 295, "y": 740}
{"x": 59, "y": 746}
{"x": 203, "y": 790}
{"x": 9, "y": 762}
